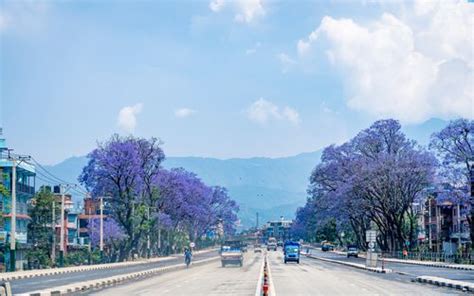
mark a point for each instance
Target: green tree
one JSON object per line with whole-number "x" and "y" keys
{"x": 40, "y": 230}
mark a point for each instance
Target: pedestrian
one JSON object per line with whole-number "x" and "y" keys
{"x": 405, "y": 253}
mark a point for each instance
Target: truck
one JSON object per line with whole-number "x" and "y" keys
{"x": 272, "y": 244}
{"x": 291, "y": 251}
{"x": 231, "y": 253}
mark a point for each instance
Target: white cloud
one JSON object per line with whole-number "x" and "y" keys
{"x": 127, "y": 117}
{"x": 262, "y": 111}
{"x": 285, "y": 61}
{"x": 245, "y": 11}
{"x": 249, "y": 11}
{"x": 413, "y": 67}
{"x": 184, "y": 112}
{"x": 291, "y": 115}
{"x": 216, "y": 5}
{"x": 3, "y": 21}
{"x": 24, "y": 16}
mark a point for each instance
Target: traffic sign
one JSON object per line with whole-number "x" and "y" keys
{"x": 371, "y": 245}
{"x": 370, "y": 235}
{"x": 192, "y": 244}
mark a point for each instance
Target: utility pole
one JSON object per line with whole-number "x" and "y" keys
{"x": 148, "y": 244}
{"x": 101, "y": 228}
{"x": 53, "y": 223}
{"x": 61, "y": 239}
{"x": 430, "y": 239}
{"x": 257, "y": 222}
{"x": 16, "y": 160}
{"x": 13, "y": 220}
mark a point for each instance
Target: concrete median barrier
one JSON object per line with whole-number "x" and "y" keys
{"x": 110, "y": 281}
{"x": 53, "y": 271}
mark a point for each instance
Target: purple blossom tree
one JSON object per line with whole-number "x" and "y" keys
{"x": 454, "y": 145}
{"x": 123, "y": 168}
{"x": 375, "y": 177}
{"x": 113, "y": 233}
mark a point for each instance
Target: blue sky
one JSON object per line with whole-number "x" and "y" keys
{"x": 227, "y": 79}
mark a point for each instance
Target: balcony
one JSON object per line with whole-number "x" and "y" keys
{"x": 23, "y": 188}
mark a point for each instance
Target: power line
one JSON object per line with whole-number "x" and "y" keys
{"x": 51, "y": 178}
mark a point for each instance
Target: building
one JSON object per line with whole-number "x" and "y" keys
{"x": 279, "y": 229}
{"x": 446, "y": 227}
{"x": 25, "y": 190}
{"x": 90, "y": 212}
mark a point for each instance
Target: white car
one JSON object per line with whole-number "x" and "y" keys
{"x": 257, "y": 249}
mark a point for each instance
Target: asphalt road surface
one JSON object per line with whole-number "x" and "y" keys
{"x": 410, "y": 269}
{"x": 50, "y": 281}
{"x": 208, "y": 279}
{"x": 315, "y": 277}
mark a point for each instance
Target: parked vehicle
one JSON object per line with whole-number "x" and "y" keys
{"x": 327, "y": 247}
{"x": 280, "y": 243}
{"x": 291, "y": 252}
{"x": 352, "y": 251}
{"x": 231, "y": 253}
{"x": 272, "y": 244}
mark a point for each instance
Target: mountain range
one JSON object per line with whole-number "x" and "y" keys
{"x": 273, "y": 187}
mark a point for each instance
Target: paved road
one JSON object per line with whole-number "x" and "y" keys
{"x": 315, "y": 277}
{"x": 411, "y": 269}
{"x": 46, "y": 282}
{"x": 208, "y": 279}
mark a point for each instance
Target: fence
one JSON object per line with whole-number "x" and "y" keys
{"x": 465, "y": 258}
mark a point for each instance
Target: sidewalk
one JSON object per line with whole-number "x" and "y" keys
{"x": 419, "y": 262}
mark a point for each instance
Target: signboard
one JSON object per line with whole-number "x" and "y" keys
{"x": 3, "y": 237}
{"x": 370, "y": 235}
{"x": 192, "y": 244}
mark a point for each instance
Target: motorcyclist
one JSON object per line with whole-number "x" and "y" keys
{"x": 187, "y": 256}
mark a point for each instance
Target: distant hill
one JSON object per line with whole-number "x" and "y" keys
{"x": 273, "y": 187}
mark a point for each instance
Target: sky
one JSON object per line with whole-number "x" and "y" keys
{"x": 227, "y": 78}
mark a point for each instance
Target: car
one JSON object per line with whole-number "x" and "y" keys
{"x": 352, "y": 251}
{"x": 257, "y": 249}
{"x": 291, "y": 252}
{"x": 280, "y": 243}
{"x": 231, "y": 253}
{"x": 272, "y": 244}
{"x": 327, "y": 247}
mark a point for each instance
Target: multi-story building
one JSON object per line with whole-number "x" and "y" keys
{"x": 90, "y": 212}
{"x": 279, "y": 229}
{"x": 446, "y": 228}
{"x": 25, "y": 190}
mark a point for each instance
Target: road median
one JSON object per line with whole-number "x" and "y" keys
{"x": 443, "y": 282}
{"x": 420, "y": 262}
{"x": 351, "y": 264}
{"x": 111, "y": 281}
{"x": 53, "y": 271}
{"x": 265, "y": 285}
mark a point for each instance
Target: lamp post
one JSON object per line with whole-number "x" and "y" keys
{"x": 471, "y": 177}
{"x": 101, "y": 243}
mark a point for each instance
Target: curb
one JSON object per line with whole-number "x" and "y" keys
{"x": 265, "y": 282}
{"x": 258, "y": 290}
{"x": 442, "y": 282}
{"x": 359, "y": 266}
{"x": 415, "y": 262}
{"x": 110, "y": 281}
{"x": 53, "y": 271}
{"x": 434, "y": 264}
